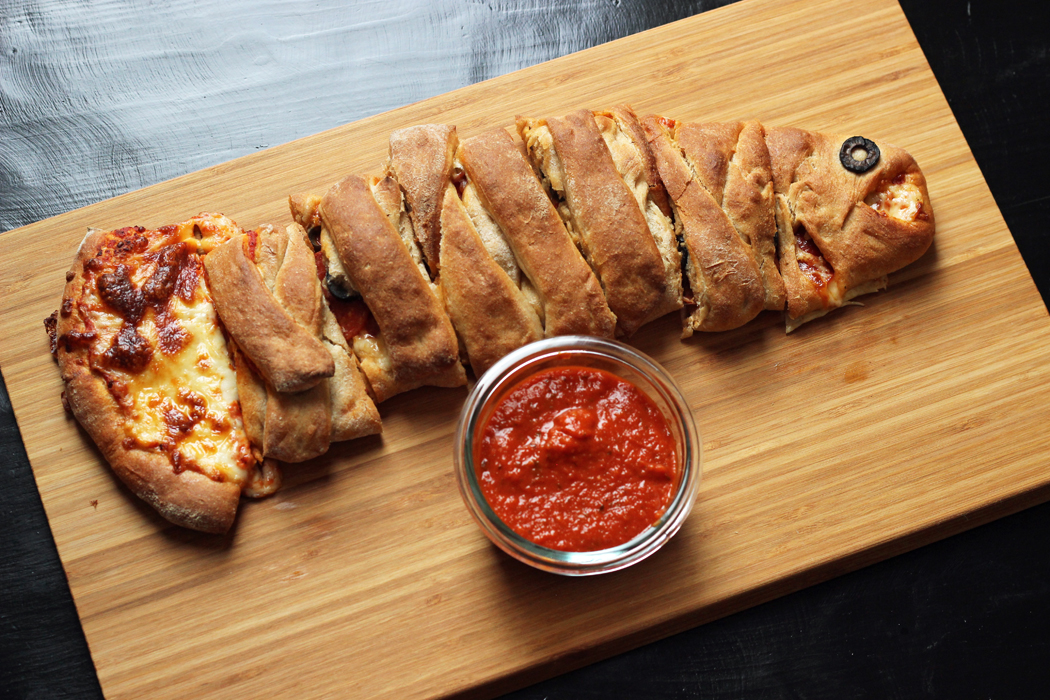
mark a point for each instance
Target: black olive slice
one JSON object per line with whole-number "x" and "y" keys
{"x": 336, "y": 289}
{"x": 858, "y": 154}
{"x": 314, "y": 234}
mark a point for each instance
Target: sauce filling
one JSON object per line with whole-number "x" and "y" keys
{"x": 353, "y": 315}
{"x": 811, "y": 262}
{"x": 577, "y": 459}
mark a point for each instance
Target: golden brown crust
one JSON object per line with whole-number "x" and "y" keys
{"x": 788, "y": 148}
{"x": 636, "y": 165}
{"x": 353, "y": 413}
{"x": 383, "y": 379}
{"x": 509, "y": 189}
{"x": 290, "y": 427}
{"x": 628, "y": 121}
{"x": 296, "y": 287}
{"x": 391, "y": 201}
{"x": 725, "y": 280}
{"x": 285, "y": 353}
{"x": 487, "y": 308}
{"x": 708, "y": 148}
{"x": 605, "y": 215}
{"x": 297, "y": 426}
{"x": 252, "y": 396}
{"x": 730, "y": 186}
{"x": 820, "y": 200}
{"x": 748, "y": 201}
{"x": 421, "y": 161}
{"x": 189, "y": 498}
{"x": 414, "y": 327}
{"x": 732, "y": 162}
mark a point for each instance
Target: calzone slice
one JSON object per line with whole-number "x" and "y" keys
{"x": 602, "y": 215}
{"x": 846, "y": 217}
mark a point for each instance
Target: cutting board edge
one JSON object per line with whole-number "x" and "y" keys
{"x": 742, "y": 601}
{"x": 794, "y": 582}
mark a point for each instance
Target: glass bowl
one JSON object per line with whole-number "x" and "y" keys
{"x": 579, "y": 351}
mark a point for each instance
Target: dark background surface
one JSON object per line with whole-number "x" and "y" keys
{"x": 96, "y": 101}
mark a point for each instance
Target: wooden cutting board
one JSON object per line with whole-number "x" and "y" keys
{"x": 865, "y": 434}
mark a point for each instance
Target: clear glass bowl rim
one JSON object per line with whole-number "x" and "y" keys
{"x": 584, "y": 348}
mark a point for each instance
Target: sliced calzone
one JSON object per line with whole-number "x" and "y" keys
{"x": 732, "y": 163}
{"x": 345, "y": 316}
{"x": 636, "y": 164}
{"x": 421, "y": 163}
{"x": 602, "y": 215}
{"x": 509, "y": 190}
{"x": 487, "y": 307}
{"x": 489, "y": 311}
{"x": 289, "y": 426}
{"x": 277, "y": 337}
{"x": 414, "y": 343}
{"x": 723, "y": 275}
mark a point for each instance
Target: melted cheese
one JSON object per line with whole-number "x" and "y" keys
{"x": 376, "y": 364}
{"x": 201, "y": 372}
{"x": 897, "y": 200}
{"x": 839, "y": 300}
{"x": 185, "y": 403}
{"x": 210, "y": 230}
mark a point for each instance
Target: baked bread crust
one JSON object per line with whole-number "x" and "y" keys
{"x": 635, "y": 162}
{"x": 290, "y": 427}
{"x": 421, "y": 161}
{"x": 187, "y": 498}
{"x": 723, "y": 275}
{"x": 298, "y": 426}
{"x": 488, "y": 310}
{"x": 572, "y": 298}
{"x": 353, "y": 413}
{"x": 732, "y": 162}
{"x": 414, "y": 327}
{"x": 820, "y": 200}
{"x": 286, "y": 427}
{"x": 286, "y": 354}
{"x": 170, "y": 423}
{"x": 597, "y": 205}
{"x": 628, "y": 121}
{"x": 391, "y": 200}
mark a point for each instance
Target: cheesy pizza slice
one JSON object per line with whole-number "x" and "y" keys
{"x": 148, "y": 374}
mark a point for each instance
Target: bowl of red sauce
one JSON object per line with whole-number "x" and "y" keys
{"x": 578, "y": 455}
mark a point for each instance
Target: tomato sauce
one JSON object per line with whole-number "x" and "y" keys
{"x": 353, "y": 315}
{"x": 577, "y": 459}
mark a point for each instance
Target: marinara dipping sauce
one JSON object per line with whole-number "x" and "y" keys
{"x": 577, "y": 455}
{"x": 577, "y": 459}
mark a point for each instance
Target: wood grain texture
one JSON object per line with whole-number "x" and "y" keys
{"x": 860, "y": 436}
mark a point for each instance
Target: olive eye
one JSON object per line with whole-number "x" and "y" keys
{"x": 858, "y": 154}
